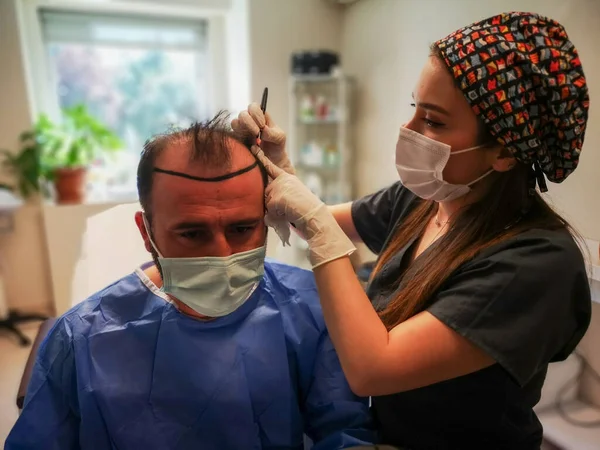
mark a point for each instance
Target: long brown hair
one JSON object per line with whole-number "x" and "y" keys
{"x": 512, "y": 206}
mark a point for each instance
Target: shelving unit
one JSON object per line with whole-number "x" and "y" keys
{"x": 319, "y": 138}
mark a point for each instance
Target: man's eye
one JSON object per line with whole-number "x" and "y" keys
{"x": 243, "y": 229}
{"x": 191, "y": 234}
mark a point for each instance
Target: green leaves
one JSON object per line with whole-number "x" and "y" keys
{"x": 25, "y": 167}
{"x": 77, "y": 141}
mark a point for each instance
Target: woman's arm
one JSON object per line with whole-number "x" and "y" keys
{"x": 343, "y": 216}
{"x": 416, "y": 353}
{"x": 495, "y": 311}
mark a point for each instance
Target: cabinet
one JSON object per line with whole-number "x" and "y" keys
{"x": 319, "y": 139}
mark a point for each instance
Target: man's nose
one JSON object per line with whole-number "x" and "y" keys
{"x": 219, "y": 246}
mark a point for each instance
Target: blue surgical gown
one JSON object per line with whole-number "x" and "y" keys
{"x": 126, "y": 370}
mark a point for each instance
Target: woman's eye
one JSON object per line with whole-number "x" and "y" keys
{"x": 432, "y": 124}
{"x": 428, "y": 122}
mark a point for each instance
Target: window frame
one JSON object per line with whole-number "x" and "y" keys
{"x": 42, "y": 92}
{"x": 41, "y": 89}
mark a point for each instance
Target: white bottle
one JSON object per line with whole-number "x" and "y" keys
{"x": 314, "y": 183}
{"x": 307, "y": 108}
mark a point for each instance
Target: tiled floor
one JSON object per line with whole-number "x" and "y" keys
{"x": 12, "y": 362}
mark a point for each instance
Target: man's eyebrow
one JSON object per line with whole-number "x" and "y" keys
{"x": 244, "y": 222}
{"x": 190, "y": 224}
{"x": 432, "y": 107}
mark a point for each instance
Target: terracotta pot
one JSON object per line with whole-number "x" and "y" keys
{"x": 70, "y": 185}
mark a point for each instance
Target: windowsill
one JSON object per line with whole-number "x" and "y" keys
{"x": 107, "y": 202}
{"x": 108, "y": 199}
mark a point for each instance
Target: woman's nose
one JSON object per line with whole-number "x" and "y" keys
{"x": 411, "y": 125}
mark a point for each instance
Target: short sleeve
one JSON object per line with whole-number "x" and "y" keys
{"x": 525, "y": 305}
{"x": 376, "y": 215}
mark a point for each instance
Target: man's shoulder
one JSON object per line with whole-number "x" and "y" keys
{"x": 291, "y": 278}
{"x": 294, "y": 290}
{"x": 119, "y": 301}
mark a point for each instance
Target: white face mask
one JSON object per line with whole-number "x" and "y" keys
{"x": 420, "y": 162}
{"x": 212, "y": 286}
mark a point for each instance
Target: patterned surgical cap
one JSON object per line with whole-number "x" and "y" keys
{"x": 522, "y": 76}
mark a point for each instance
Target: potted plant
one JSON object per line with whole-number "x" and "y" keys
{"x": 24, "y": 167}
{"x": 67, "y": 149}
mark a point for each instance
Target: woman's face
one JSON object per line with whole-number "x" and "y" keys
{"x": 442, "y": 113}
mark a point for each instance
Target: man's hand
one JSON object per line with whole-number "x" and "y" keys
{"x": 273, "y": 138}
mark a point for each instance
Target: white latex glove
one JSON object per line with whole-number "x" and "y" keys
{"x": 288, "y": 198}
{"x": 273, "y": 138}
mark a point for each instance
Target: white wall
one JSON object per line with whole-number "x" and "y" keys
{"x": 385, "y": 43}
{"x": 23, "y": 253}
{"x": 278, "y": 28}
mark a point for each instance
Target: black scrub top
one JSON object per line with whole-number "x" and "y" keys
{"x": 526, "y": 302}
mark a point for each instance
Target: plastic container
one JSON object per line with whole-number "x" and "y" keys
{"x": 307, "y": 108}
{"x": 321, "y": 108}
{"x": 331, "y": 157}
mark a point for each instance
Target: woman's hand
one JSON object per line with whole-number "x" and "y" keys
{"x": 287, "y": 198}
{"x": 272, "y": 142}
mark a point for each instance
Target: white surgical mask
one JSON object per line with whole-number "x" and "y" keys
{"x": 420, "y": 162}
{"x": 212, "y": 286}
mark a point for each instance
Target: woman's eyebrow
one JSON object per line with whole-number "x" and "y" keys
{"x": 432, "y": 107}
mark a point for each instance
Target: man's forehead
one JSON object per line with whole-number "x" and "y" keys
{"x": 177, "y": 157}
{"x": 184, "y": 193}
{"x": 177, "y": 199}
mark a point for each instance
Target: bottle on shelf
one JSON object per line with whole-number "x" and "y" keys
{"x": 336, "y": 192}
{"x": 321, "y": 108}
{"x": 314, "y": 183}
{"x": 307, "y": 108}
{"x": 311, "y": 154}
{"x": 331, "y": 156}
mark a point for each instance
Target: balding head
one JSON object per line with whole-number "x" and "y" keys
{"x": 209, "y": 147}
{"x": 203, "y": 192}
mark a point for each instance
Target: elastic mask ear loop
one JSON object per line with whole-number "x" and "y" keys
{"x": 150, "y": 235}
{"x": 470, "y": 150}
{"x": 480, "y": 178}
{"x": 458, "y": 152}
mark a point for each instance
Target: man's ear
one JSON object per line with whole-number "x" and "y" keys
{"x": 504, "y": 161}
{"x": 139, "y": 221}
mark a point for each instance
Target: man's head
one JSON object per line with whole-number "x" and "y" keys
{"x": 194, "y": 206}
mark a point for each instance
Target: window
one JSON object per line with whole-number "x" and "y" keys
{"x": 138, "y": 75}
